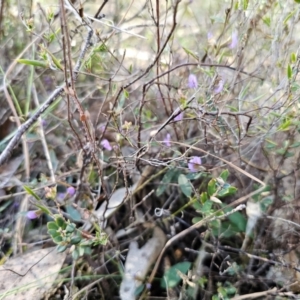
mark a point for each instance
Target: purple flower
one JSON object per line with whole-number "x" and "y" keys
{"x": 234, "y": 40}
{"x": 43, "y": 122}
{"x": 220, "y": 87}
{"x": 148, "y": 286}
{"x": 192, "y": 81}
{"x": 194, "y": 164}
{"x": 167, "y": 140}
{"x": 60, "y": 196}
{"x": 32, "y": 214}
{"x": 71, "y": 191}
{"x": 106, "y": 145}
{"x": 209, "y": 35}
{"x": 179, "y": 117}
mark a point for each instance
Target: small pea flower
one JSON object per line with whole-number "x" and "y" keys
{"x": 106, "y": 145}
{"x": 234, "y": 40}
{"x": 71, "y": 191}
{"x": 179, "y": 117}
{"x": 192, "y": 81}
{"x": 219, "y": 87}
{"x": 32, "y": 214}
{"x": 194, "y": 164}
{"x": 167, "y": 140}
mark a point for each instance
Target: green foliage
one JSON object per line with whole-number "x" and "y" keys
{"x": 31, "y": 192}
{"x": 225, "y": 292}
{"x": 171, "y": 277}
{"x": 185, "y": 185}
{"x": 65, "y": 234}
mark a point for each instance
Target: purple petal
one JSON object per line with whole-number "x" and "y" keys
{"x": 192, "y": 81}
{"x": 31, "y": 214}
{"x": 71, "y": 191}
{"x": 106, "y": 145}
{"x": 220, "y": 87}
{"x": 234, "y": 40}
{"x": 194, "y": 164}
{"x": 167, "y": 140}
{"x": 60, "y": 196}
{"x": 209, "y": 35}
{"x": 179, "y": 117}
{"x": 44, "y": 122}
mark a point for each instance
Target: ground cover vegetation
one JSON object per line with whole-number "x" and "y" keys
{"x": 149, "y": 149}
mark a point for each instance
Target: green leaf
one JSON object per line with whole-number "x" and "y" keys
{"x": 165, "y": 181}
{"x": 76, "y": 240}
{"x": 61, "y": 248}
{"x": 297, "y": 1}
{"x": 74, "y": 213}
{"x": 295, "y": 145}
{"x": 196, "y": 220}
{"x": 44, "y": 209}
{"x": 70, "y": 228}
{"x": 227, "y": 190}
{"x": 211, "y": 187}
{"x": 61, "y": 222}
{"x": 293, "y": 58}
{"x": 52, "y": 225}
{"x": 224, "y": 175}
{"x": 285, "y": 125}
{"x": 126, "y": 94}
{"x": 171, "y": 277}
{"x": 75, "y": 254}
{"x": 53, "y": 233}
{"x": 31, "y": 192}
{"x": 185, "y": 185}
{"x": 289, "y": 71}
{"x": 57, "y": 239}
{"x": 81, "y": 251}
{"x": 238, "y": 220}
{"x": 32, "y": 62}
{"x": 189, "y": 52}
{"x": 194, "y": 176}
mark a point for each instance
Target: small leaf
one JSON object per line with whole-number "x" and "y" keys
{"x": 75, "y": 240}
{"x": 61, "y": 248}
{"x": 61, "y": 222}
{"x": 191, "y": 53}
{"x": 32, "y": 62}
{"x": 53, "y": 233}
{"x": 185, "y": 185}
{"x": 293, "y": 57}
{"x": 285, "y": 125}
{"x": 31, "y": 192}
{"x": 57, "y": 239}
{"x": 224, "y": 175}
{"x": 215, "y": 199}
{"x": 211, "y": 187}
{"x": 171, "y": 277}
{"x": 44, "y": 209}
{"x": 289, "y": 71}
{"x": 80, "y": 251}
{"x": 194, "y": 176}
{"x": 75, "y": 254}
{"x": 165, "y": 181}
{"x": 52, "y": 225}
{"x": 70, "y": 228}
{"x": 73, "y": 212}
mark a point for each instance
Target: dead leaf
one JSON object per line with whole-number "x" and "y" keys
{"x": 138, "y": 263}
{"x": 31, "y": 275}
